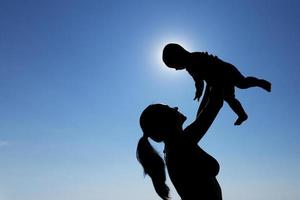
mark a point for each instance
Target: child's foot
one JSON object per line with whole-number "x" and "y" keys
{"x": 266, "y": 85}
{"x": 241, "y": 119}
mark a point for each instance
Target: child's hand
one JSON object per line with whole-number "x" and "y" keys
{"x": 197, "y": 95}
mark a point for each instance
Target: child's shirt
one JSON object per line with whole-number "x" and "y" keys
{"x": 209, "y": 68}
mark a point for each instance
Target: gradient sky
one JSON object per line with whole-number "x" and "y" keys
{"x": 75, "y": 76}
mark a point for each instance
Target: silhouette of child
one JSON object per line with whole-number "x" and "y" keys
{"x": 215, "y": 72}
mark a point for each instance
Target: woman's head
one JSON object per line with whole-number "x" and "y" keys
{"x": 175, "y": 56}
{"x": 157, "y": 122}
{"x": 161, "y": 121}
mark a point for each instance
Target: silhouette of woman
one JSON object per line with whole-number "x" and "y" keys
{"x": 192, "y": 171}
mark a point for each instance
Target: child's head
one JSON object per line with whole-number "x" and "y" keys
{"x": 175, "y": 56}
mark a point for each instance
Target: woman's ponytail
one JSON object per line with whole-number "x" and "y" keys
{"x": 153, "y": 165}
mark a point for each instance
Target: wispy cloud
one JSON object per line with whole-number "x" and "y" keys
{"x": 3, "y": 143}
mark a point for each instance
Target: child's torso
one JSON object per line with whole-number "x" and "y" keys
{"x": 210, "y": 68}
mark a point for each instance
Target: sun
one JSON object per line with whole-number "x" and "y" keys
{"x": 158, "y": 46}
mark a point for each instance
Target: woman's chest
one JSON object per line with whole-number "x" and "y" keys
{"x": 189, "y": 162}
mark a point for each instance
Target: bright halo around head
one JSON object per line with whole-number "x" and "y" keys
{"x": 162, "y": 69}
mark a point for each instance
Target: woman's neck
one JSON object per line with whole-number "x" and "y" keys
{"x": 173, "y": 138}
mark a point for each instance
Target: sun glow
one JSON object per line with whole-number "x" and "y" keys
{"x": 158, "y": 46}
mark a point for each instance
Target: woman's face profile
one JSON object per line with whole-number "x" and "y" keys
{"x": 169, "y": 120}
{"x": 174, "y": 113}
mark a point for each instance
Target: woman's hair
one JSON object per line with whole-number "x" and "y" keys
{"x": 151, "y": 161}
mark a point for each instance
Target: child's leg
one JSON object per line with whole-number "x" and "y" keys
{"x": 249, "y": 81}
{"x": 235, "y": 105}
{"x": 238, "y": 79}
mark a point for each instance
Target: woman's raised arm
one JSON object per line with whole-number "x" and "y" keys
{"x": 196, "y": 130}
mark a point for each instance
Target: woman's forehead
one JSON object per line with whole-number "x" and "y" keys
{"x": 167, "y": 106}
{"x": 164, "y": 107}
{"x": 171, "y": 108}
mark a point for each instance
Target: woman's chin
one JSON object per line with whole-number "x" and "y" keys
{"x": 183, "y": 119}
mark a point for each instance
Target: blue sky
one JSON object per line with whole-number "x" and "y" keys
{"x": 75, "y": 76}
